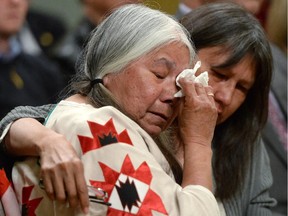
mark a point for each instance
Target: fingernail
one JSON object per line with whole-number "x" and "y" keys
{"x": 86, "y": 210}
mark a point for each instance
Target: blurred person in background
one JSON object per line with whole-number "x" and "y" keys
{"x": 41, "y": 32}
{"x": 275, "y": 131}
{"x": 94, "y": 11}
{"x": 276, "y": 23}
{"x": 24, "y": 79}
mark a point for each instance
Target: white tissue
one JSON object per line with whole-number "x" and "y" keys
{"x": 190, "y": 75}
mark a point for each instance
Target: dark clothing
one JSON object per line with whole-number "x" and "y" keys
{"x": 28, "y": 80}
{"x": 274, "y": 146}
{"x": 67, "y": 53}
{"x": 47, "y": 29}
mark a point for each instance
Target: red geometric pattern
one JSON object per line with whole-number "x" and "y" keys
{"x": 102, "y": 132}
{"x": 29, "y": 206}
{"x": 4, "y": 182}
{"x": 141, "y": 176}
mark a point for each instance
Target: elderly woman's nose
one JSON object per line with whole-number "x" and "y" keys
{"x": 168, "y": 92}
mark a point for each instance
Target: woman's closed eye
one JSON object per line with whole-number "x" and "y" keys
{"x": 242, "y": 88}
{"x": 159, "y": 75}
{"x": 218, "y": 75}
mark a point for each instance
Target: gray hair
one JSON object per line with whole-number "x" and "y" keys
{"x": 128, "y": 34}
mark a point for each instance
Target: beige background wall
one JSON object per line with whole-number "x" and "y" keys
{"x": 169, "y": 6}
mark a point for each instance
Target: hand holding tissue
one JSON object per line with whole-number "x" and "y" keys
{"x": 190, "y": 75}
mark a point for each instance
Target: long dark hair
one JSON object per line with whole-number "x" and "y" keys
{"x": 239, "y": 33}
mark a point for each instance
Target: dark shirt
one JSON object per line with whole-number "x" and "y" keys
{"x": 28, "y": 80}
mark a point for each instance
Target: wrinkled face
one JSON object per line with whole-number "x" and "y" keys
{"x": 146, "y": 88}
{"x": 230, "y": 85}
{"x": 12, "y": 16}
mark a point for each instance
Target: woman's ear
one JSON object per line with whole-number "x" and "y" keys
{"x": 109, "y": 78}
{"x": 106, "y": 79}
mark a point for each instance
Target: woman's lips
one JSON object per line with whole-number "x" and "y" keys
{"x": 161, "y": 115}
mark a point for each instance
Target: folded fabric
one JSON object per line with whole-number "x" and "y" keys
{"x": 190, "y": 75}
{"x": 8, "y": 201}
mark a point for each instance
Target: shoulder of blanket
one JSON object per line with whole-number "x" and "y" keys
{"x": 85, "y": 120}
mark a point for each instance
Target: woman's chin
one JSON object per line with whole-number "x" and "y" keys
{"x": 153, "y": 130}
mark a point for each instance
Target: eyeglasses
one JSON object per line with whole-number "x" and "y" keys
{"x": 98, "y": 195}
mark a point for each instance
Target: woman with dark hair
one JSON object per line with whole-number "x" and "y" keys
{"x": 234, "y": 51}
{"x": 226, "y": 37}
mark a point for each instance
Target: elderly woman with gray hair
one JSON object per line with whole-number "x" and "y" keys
{"x": 233, "y": 49}
{"x": 121, "y": 103}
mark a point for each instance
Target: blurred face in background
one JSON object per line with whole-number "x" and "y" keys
{"x": 12, "y": 16}
{"x": 96, "y": 10}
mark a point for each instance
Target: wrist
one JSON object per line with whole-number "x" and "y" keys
{"x": 197, "y": 168}
{"x": 45, "y": 141}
